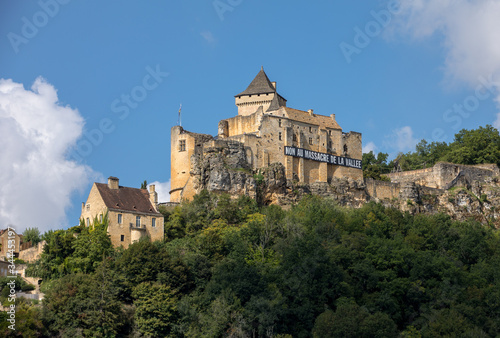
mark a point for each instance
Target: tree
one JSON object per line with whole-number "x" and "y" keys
{"x": 155, "y": 313}
{"x": 32, "y": 235}
{"x": 144, "y": 185}
{"x": 375, "y": 167}
{"x": 85, "y": 304}
{"x": 351, "y": 320}
{"x": 477, "y": 146}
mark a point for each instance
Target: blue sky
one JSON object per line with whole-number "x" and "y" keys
{"x": 108, "y": 78}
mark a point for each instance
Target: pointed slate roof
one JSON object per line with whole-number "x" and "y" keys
{"x": 275, "y": 104}
{"x": 259, "y": 85}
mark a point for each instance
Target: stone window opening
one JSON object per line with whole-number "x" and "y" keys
{"x": 119, "y": 218}
{"x": 100, "y": 218}
{"x": 88, "y": 221}
{"x": 122, "y": 238}
{"x": 279, "y": 123}
{"x": 138, "y": 221}
{"x": 310, "y": 129}
{"x": 153, "y": 222}
{"x": 310, "y": 140}
{"x": 294, "y": 137}
{"x": 88, "y": 206}
{"x": 345, "y": 149}
{"x": 182, "y": 145}
{"x": 279, "y": 136}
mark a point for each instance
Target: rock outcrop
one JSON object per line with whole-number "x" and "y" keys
{"x": 224, "y": 168}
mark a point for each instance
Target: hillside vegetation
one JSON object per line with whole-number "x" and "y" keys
{"x": 231, "y": 269}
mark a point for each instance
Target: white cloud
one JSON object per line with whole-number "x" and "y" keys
{"x": 401, "y": 140}
{"x": 36, "y": 179}
{"x": 370, "y": 146}
{"x": 208, "y": 36}
{"x": 163, "y": 189}
{"x": 470, "y": 31}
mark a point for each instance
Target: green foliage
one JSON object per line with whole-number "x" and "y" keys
{"x": 474, "y": 146}
{"x": 73, "y": 250}
{"x": 233, "y": 269}
{"x": 375, "y": 167}
{"x": 144, "y": 185}
{"x": 85, "y": 304}
{"x": 19, "y": 285}
{"x": 28, "y": 321}
{"x": 351, "y": 320}
{"x": 155, "y": 311}
{"x": 32, "y": 235}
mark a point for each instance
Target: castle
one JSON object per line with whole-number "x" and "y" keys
{"x": 312, "y": 147}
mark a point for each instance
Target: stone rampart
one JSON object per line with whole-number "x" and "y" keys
{"x": 32, "y": 254}
{"x": 382, "y": 189}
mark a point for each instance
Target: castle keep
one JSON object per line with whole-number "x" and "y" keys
{"x": 312, "y": 147}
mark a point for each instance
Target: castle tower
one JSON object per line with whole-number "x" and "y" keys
{"x": 260, "y": 92}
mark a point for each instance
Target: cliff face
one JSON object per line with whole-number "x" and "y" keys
{"x": 224, "y": 168}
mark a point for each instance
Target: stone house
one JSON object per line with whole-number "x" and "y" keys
{"x": 5, "y": 236}
{"x": 312, "y": 147}
{"x": 132, "y": 213}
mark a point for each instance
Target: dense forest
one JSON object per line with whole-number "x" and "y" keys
{"x": 474, "y": 146}
{"x": 232, "y": 268}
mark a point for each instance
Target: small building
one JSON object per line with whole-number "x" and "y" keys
{"x": 7, "y": 235}
{"x": 132, "y": 213}
{"x": 312, "y": 147}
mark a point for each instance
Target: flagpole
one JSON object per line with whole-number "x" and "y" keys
{"x": 179, "y": 122}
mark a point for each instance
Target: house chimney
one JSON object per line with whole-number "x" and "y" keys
{"x": 153, "y": 195}
{"x": 310, "y": 111}
{"x": 112, "y": 182}
{"x": 333, "y": 117}
{"x": 274, "y": 84}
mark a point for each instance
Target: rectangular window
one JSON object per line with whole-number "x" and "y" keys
{"x": 88, "y": 207}
{"x": 88, "y": 221}
{"x": 182, "y": 145}
{"x": 279, "y": 123}
{"x": 100, "y": 218}
{"x": 119, "y": 218}
{"x": 122, "y": 238}
{"x": 138, "y": 221}
{"x": 279, "y": 136}
{"x": 310, "y": 140}
{"x": 310, "y": 129}
{"x": 295, "y": 137}
{"x": 153, "y": 222}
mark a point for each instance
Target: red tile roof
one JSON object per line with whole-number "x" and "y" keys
{"x": 127, "y": 199}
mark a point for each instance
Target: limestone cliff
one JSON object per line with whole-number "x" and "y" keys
{"x": 224, "y": 167}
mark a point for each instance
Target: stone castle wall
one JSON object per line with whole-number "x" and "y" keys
{"x": 442, "y": 174}
{"x": 32, "y": 254}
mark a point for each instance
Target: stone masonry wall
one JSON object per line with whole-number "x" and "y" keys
{"x": 33, "y": 253}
